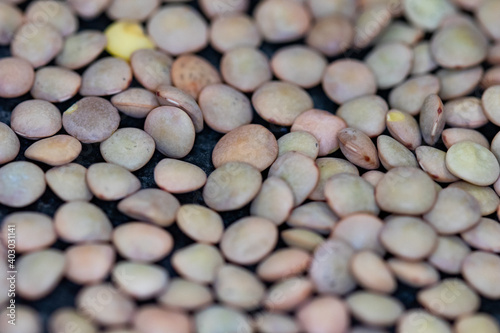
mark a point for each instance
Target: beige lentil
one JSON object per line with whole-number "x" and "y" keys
{"x": 151, "y": 68}
{"x": 37, "y": 46}
{"x": 301, "y": 238}
{"x": 149, "y": 280}
{"x": 34, "y": 231}
{"x": 89, "y": 263}
{"x": 274, "y": 201}
{"x": 10, "y": 144}
{"x": 313, "y": 215}
{"x": 484, "y": 236}
{"x": 55, "y": 151}
{"x": 192, "y": 73}
{"x": 480, "y": 270}
{"x": 200, "y": 223}
{"x": 69, "y": 183}
{"x": 35, "y": 119}
{"x": 16, "y": 77}
{"x": 374, "y": 309}
{"x": 415, "y": 274}
{"x": 22, "y": 183}
{"x": 106, "y": 76}
{"x": 365, "y": 113}
{"x": 198, "y": 262}
{"x": 135, "y": 102}
{"x": 231, "y": 31}
{"x": 324, "y": 314}
{"x": 449, "y": 254}
{"x": 372, "y": 273}
{"x": 81, "y": 49}
{"x": 185, "y": 295}
{"x": 331, "y": 35}
{"x": 360, "y": 231}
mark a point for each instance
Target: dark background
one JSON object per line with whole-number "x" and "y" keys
{"x": 64, "y": 294}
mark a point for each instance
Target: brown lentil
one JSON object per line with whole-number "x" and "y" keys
{"x": 301, "y": 238}
{"x": 409, "y": 96}
{"x": 393, "y": 154}
{"x": 231, "y": 31}
{"x": 455, "y": 135}
{"x": 331, "y": 35}
{"x": 89, "y": 263}
{"x": 150, "y": 318}
{"x": 111, "y": 182}
{"x": 288, "y": 294}
{"x": 16, "y": 77}
{"x": 192, "y": 73}
{"x": 371, "y": 272}
{"x": 81, "y": 49}
{"x": 55, "y": 151}
{"x": 365, "y": 113}
{"x": 415, "y": 274}
{"x": 151, "y": 68}
{"x": 10, "y": 144}
{"x": 34, "y": 231}
{"x": 69, "y": 183}
{"x": 185, "y": 295}
{"x": 324, "y": 314}
{"x": 433, "y": 161}
{"x": 37, "y": 46}
{"x": 358, "y": 148}
{"x": 106, "y": 76}
{"x": 135, "y": 102}
{"x": 35, "y": 119}
{"x": 313, "y": 215}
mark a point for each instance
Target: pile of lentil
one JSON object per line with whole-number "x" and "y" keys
{"x": 234, "y": 166}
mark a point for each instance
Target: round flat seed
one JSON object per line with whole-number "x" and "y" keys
{"x": 185, "y": 295}
{"x": 373, "y": 177}
{"x": 22, "y": 183}
{"x": 200, "y": 223}
{"x": 366, "y": 29}
{"x": 322, "y": 8}
{"x": 428, "y": 323}
{"x": 282, "y": 21}
{"x": 245, "y": 68}
{"x": 232, "y": 186}
{"x": 171, "y": 96}
{"x": 69, "y": 183}
{"x": 390, "y": 63}
{"x": 151, "y": 205}
{"x": 55, "y": 151}
{"x": 214, "y": 9}
{"x": 16, "y": 77}
{"x": 347, "y": 79}
{"x": 38, "y": 44}
{"x": 480, "y": 270}
{"x": 494, "y": 54}
{"x": 126, "y": 37}
{"x": 301, "y": 239}
{"x": 224, "y": 108}
{"x": 89, "y": 9}
{"x": 79, "y": 221}
{"x": 433, "y": 161}
{"x": 248, "y": 240}
{"x": 372, "y": 273}
{"x": 331, "y": 35}
{"x": 11, "y": 19}
{"x": 436, "y": 298}
{"x": 130, "y": 148}
{"x": 151, "y": 68}
{"x": 55, "y": 84}
{"x": 218, "y": 318}
{"x": 134, "y": 10}
{"x": 329, "y": 269}
{"x": 414, "y": 274}
{"x": 313, "y": 215}
{"x": 487, "y": 198}
{"x": 349, "y": 194}
{"x": 491, "y": 104}
{"x": 150, "y": 318}
{"x": 107, "y": 76}
{"x": 111, "y": 182}
{"x": 81, "y": 49}
{"x": 274, "y": 201}
{"x": 473, "y": 163}
{"x": 238, "y": 287}
{"x": 358, "y": 148}
{"x": 398, "y": 32}
{"x": 360, "y": 231}
{"x": 299, "y": 171}
{"x": 135, "y": 102}
{"x": 63, "y": 318}
{"x": 408, "y": 237}
{"x": 10, "y": 144}
{"x": 366, "y": 113}
{"x": 432, "y": 119}
{"x": 281, "y": 102}
{"x": 323, "y": 125}
{"x": 149, "y": 280}
{"x": 484, "y": 236}
{"x": 404, "y": 128}
{"x": 253, "y": 144}
{"x": 39, "y": 273}
{"x": 91, "y": 120}
{"x": 328, "y": 167}
{"x": 459, "y": 46}
{"x": 89, "y": 263}
{"x": 449, "y": 254}
{"x": 423, "y": 62}
{"x": 198, "y": 262}
{"x": 142, "y": 242}
{"x": 324, "y": 314}
{"x": 405, "y": 191}
{"x": 374, "y": 309}
{"x": 479, "y": 322}
{"x": 178, "y": 29}
{"x": 288, "y": 294}
{"x": 491, "y": 77}
{"x": 486, "y": 14}
{"x": 427, "y": 15}
{"x": 393, "y": 154}
{"x": 231, "y": 31}
{"x": 178, "y": 176}
{"x": 172, "y": 130}
{"x": 299, "y": 65}
{"x": 57, "y": 14}
{"x": 267, "y": 322}
{"x": 452, "y": 136}
{"x": 34, "y": 231}
{"x": 192, "y": 73}
{"x": 409, "y": 96}
{"x": 465, "y": 112}
{"x": 35, "y": 119}
{"x": 454, "y": 211}
{"x": 458, "y": 82}
{"x": 283, "y": 264}
{"x": 119, "y": 307}
{"x": 301, "y": 141}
